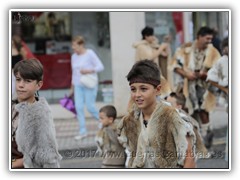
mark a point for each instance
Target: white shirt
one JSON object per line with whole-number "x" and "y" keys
{"x": 219, "y": 72}
{"x": 87, "y": 61}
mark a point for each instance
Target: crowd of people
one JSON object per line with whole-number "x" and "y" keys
{"x": 166, "y": 124}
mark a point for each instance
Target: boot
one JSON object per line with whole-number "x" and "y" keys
{"x": 207, "y": 135}
{"x": 208, "y": 139}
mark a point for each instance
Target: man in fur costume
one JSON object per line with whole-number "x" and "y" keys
{"x": 192, "y": 62}
{"x": 153, "y": 133}
{"x": 34, "y": 142}
{"x": 149, "y": 48}
{"x": 107, "y": 142}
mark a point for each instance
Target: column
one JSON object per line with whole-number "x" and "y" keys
{"x": 125, "y": 29}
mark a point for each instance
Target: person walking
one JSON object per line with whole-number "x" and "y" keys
{"x": 84, "y": 62}
{"x": 16, "y": 57}
{"x": 108, "y": 145}
{"x": 192, "y": 61}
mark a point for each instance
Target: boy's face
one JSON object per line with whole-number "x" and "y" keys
{"x": 144, "y": 95}
{"x": 104, "y": 119}
{"x": 26, "y": 88}
{"x": 173, "y": 102}
{"x": 149, "y": 39}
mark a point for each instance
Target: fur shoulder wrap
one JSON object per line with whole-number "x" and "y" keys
{"x": 35, "y": 135}
{"x": 162, "y": 145}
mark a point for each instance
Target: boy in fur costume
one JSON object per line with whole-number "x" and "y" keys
{"x": 33, "y": 134}
{"x": 178, "y": 101}
{"x": 191, "y": 63}
{"x": 108, "y": 145}
{"x": 153, "y": 133}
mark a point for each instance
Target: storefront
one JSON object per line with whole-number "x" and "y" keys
{"x": 49, "y": 34}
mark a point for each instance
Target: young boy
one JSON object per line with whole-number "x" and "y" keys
{"x": 153, "y": 133}
{"x": 33, "y": 135}
{"x": 178, "y": 101}
{"x": 108, "y": 145}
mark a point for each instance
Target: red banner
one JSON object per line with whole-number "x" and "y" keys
{"x": 57, "y": 70}
{"x": 178, "y": 22}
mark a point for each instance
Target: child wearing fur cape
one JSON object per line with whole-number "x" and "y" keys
{"x": 33, "y": 134}
{"x": 153, "y": 133}
{"x": 178, "y": 101}
{"x": 108, "y": 145}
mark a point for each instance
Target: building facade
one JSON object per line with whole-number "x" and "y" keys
{"x": 111, "y": 35}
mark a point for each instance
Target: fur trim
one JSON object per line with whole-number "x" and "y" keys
{"x": 35, "y": 135}
{"x": 210, "y": 102}
{"x": 165, "y": 88}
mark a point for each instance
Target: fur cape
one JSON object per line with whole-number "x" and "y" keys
{"x": 183, "y": 58}
{"x": 35, "y": 135}
{"x": 145, "y": 50}
{"x": 201, "y": 150}
{"x": 164, "y": 142}
{"x": 109, "y": 147}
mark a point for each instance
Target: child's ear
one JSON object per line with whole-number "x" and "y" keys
{"x": 179, "y": 106}
{"x": 158, "y": 88}
{"x": 111, "y": 118}
{"x": 40, "y": 83}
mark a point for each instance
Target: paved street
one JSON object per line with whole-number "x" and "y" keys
{"x": 91, "y": 160}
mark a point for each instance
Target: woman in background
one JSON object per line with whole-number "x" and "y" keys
{"x": 17, "y": 55}
{"x": 84, "y": 61}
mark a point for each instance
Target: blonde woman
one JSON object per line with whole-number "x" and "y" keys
{"x": 84, "y": 61}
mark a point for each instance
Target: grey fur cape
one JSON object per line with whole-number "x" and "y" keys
{"x": 35, "y": 135}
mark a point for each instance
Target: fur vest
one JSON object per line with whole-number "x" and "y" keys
{"x": 162, "y": 144}
{"x": 109, "y": 147}
{"x": 35, "y": 135}
{"x": 184, "y": 58}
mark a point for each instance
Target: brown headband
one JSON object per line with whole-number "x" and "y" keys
{"x": 153, "y": 82}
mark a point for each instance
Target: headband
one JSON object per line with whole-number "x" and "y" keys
{"x": 151, "y": 81}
